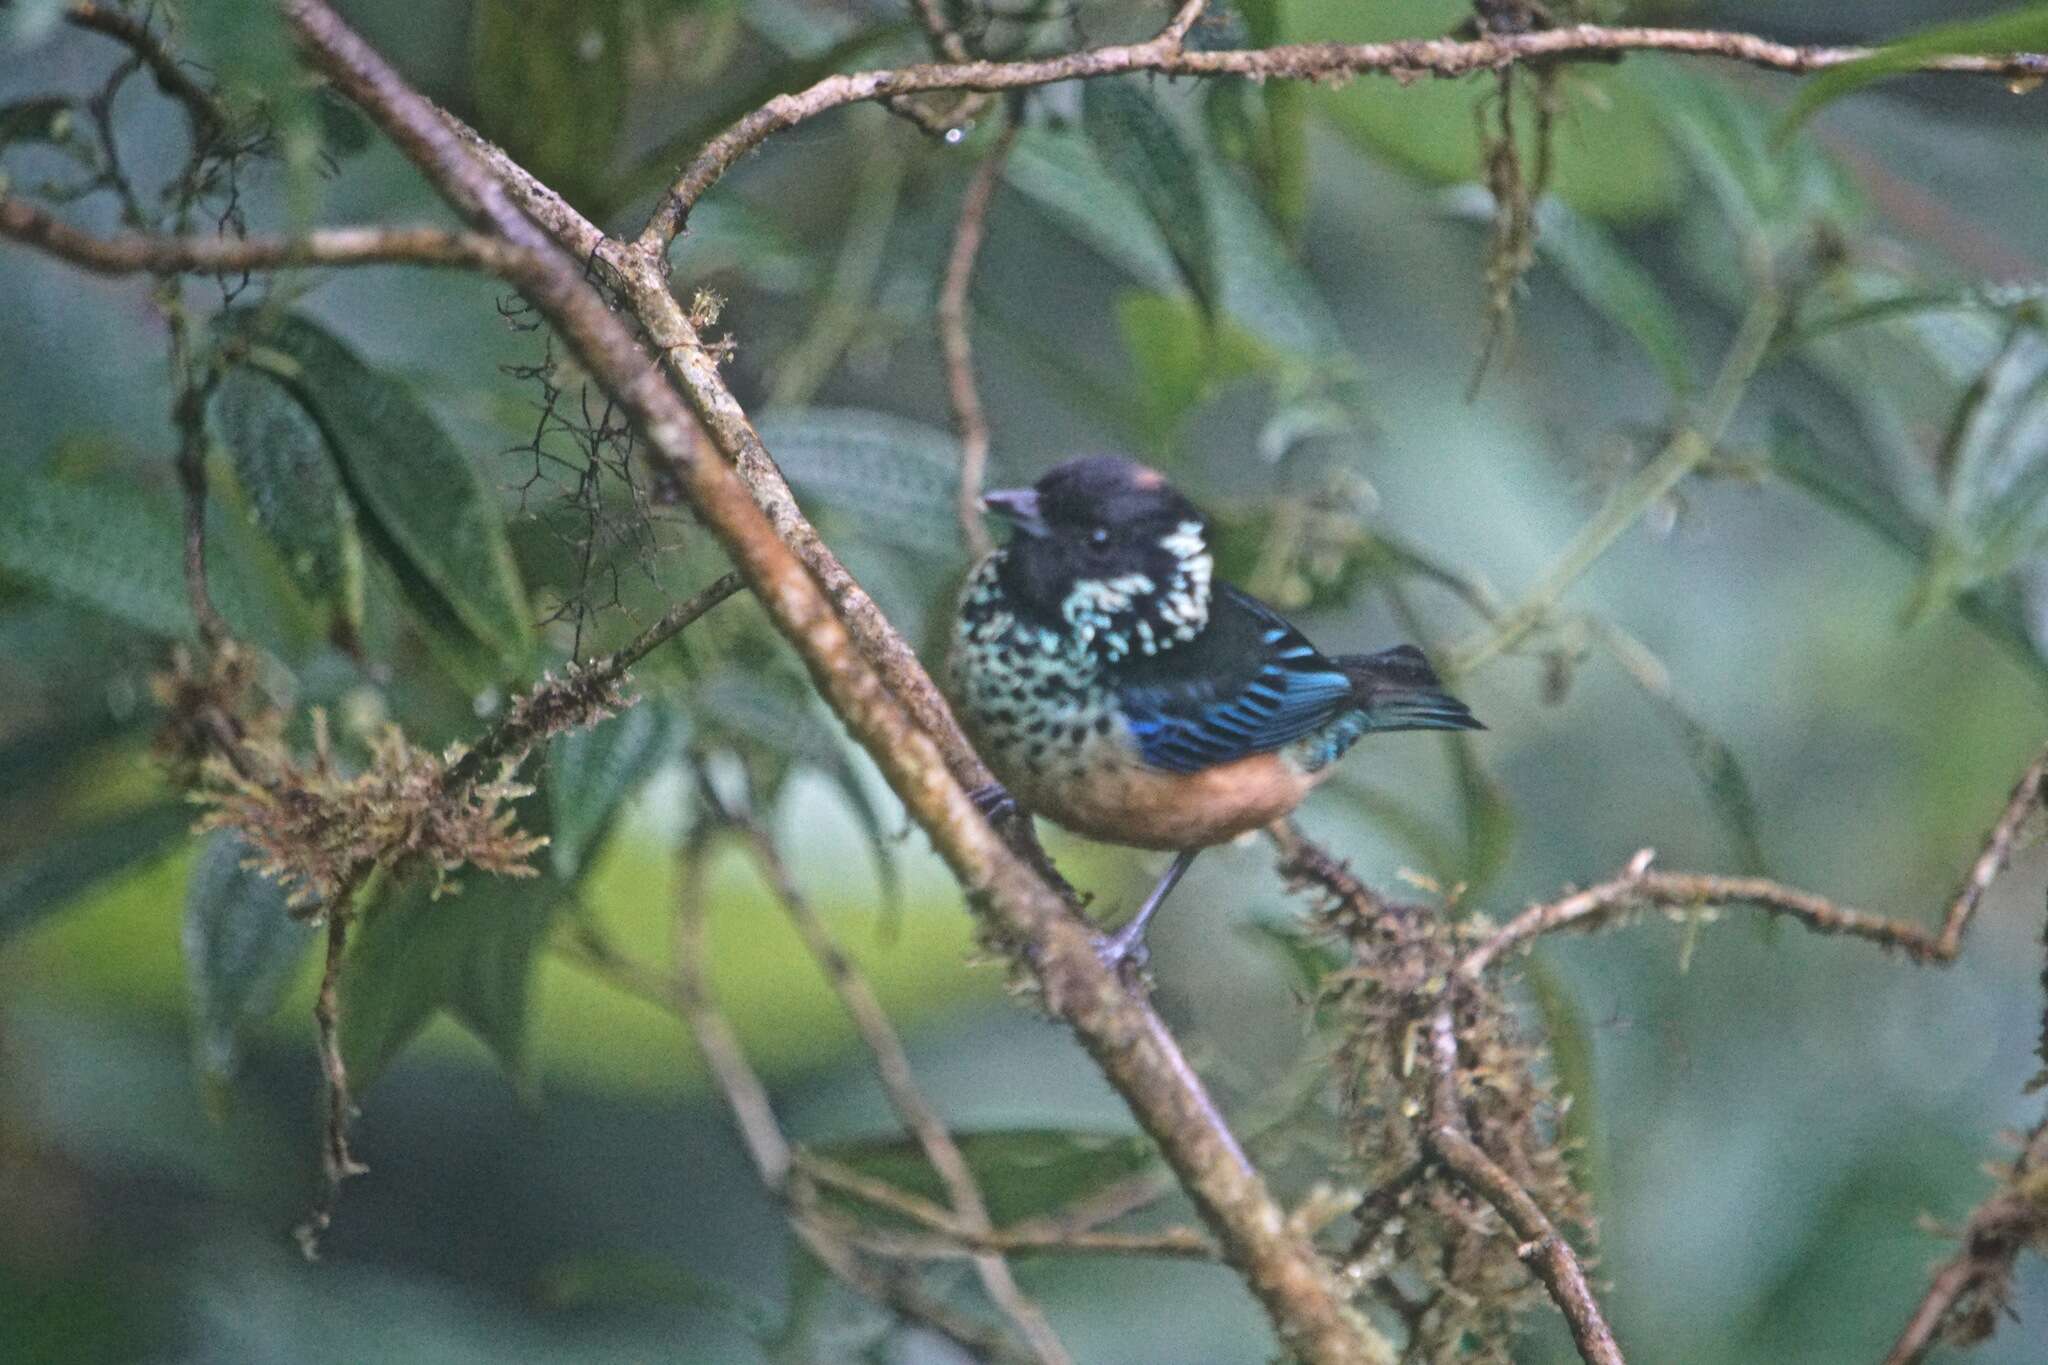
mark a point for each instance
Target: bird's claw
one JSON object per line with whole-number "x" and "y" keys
{"x": 994, "y": 802}
{"x": 1123, "y": 952}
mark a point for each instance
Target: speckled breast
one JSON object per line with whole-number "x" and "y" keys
{"x": 1034, "y": 702}
{"x": 1040, "y": 710}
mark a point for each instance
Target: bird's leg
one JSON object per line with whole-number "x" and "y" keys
{"x": 994, "y": 802}
{"x": 1129, "y": 941}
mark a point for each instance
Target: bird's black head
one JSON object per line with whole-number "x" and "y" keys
{"x": 1107, "y": 549}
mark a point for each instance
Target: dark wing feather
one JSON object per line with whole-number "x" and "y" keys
{"x": 1249, "y": 683}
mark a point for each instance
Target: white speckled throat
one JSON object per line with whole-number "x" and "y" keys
{"x": 1146, "y": 613}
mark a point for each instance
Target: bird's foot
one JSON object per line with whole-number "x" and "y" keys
{"x": 1124, "y": 951}
{"x": 994, "y": 802}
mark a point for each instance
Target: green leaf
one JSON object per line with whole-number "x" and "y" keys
{"x": 419, "y": 502}
{"x": 591, "y": 772}
{"x": 1489, "y": 815}
{"x": 250, "y": 55}
{"x": 1023, "y": 1172}
{"x": 1995, "y": 463}
{"x": 753, "y": 712}
{"x": 1264, "y": 289}
{"x": 891, "y": 480}
{"x": 2020, "y": 30}
{"x": 469, "y": 953}
{"x": 280, "y": 457}
{"x": 1169, "y": 349}
{"x": 1978, "y": 297}
{"x": 1279, "y": 149}
{"x": 1180, "y": 358}
{"x": 1711, "y": 758}
{"x": 1060, "y": 172}
{"x": 242, "y": 949}
{"x": 1612, "y": 163}
{"x": 1140, "y": 147}
{"x": 1311, "y": 960}
{"x": 56, "y": 872}
{"x": 1593, "y": 263}
{"x": 1994, "y": 608}
{"x": 550, "y": 83}
{"x": 1771, "y": 193}
{"x": 1078, "y": 382}
{"x": 119, "y": 551}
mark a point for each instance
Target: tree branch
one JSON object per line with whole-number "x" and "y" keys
{"x": 1544, "y": 1247}
{"x": 209, "y": 117}
{"x": 1126, "y": 1038}
{"x": 1165, "y": 55}
{"x": 576, "y": 698}
{"x": 134, "y": 253}
{"x": 2028, "y": 795}
{"x": 1638, "y": 888}
{"x": 1970, "y": 1290}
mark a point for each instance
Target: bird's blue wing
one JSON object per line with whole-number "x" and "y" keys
{"x": 1249, "y": 683}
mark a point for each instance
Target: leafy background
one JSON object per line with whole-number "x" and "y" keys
{"x": 1832, "y": 669}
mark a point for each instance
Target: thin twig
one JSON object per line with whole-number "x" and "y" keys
{"x": 892, "y": 1065}
{"x": 2027, "y": 798}
{"x": 956, "y": 344}
{"x": 767, "y": 1146}
{"x": 188, "y": 416}
{"x": 1175, "y": 34}
{"x": 1637, "y": 888}
{"x": 1692, "y": 443}
{"x": 132, "y": 253}
{"x": 745, "y": 1095}
{"x": 583, "y": 694}
{"x": 1443, "y": 57}
{"x": 945, "y": 40}
{"x": 209, "y": 116}
{"x": 1544, "y": 1247}
{"x": 1969, "y": 1291}
{"x": 337, "y": 1161}
{"x": 1031, "y": 1237}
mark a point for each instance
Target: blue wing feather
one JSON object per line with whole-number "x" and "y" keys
{"x": 1250, "y": 683}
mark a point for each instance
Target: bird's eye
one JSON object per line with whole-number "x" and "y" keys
{"x": 1098, "y": 537}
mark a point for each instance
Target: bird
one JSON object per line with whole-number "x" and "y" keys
{"x": 1118, "y": 689}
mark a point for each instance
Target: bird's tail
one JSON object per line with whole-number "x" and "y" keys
{"x": 1398, "y": 690}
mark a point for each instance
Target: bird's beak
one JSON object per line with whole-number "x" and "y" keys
{"x": 1018, "y": 506}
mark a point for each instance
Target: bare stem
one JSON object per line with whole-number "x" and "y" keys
{"x": 134, "y": 253}
{"x": 892, "y": 1065}
{"x": 1544, "y": 1247}
{"x": 337, "y": 1161}
{"x": 956, "y": 343}
{"x": 1688, "y": 446}
{"x": 1970, "y": 1290}
{"x": 769, "y": 1148}
{"x": 1638, "y": 888}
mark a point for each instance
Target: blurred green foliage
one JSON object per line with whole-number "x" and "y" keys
{"x": 1822, "y": 655}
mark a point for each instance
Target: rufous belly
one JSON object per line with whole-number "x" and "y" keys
{"x": 1129, "y": 803}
